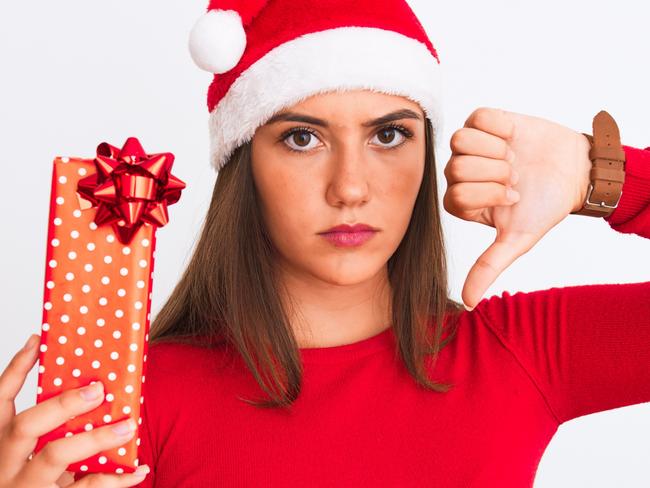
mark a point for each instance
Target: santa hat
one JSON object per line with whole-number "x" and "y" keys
{"x": 270, "y": 54}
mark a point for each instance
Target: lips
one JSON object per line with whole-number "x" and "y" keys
{"x": 350, "y": 228}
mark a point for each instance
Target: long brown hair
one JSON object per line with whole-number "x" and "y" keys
{"x": 228, "y": 290}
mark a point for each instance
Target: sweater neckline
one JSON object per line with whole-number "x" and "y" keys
{"x": 383, "y": 340}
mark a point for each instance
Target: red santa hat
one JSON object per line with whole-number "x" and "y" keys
{"x": 270, "y": 54}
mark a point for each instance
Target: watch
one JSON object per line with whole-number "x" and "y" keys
{"x": 608, "y": 168}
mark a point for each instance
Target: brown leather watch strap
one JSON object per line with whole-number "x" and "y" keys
{"x": 608, "y": 171}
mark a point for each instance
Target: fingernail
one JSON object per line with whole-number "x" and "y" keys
{"x": 141, "y": 470}
{"x": 92, "y": 392}
{"x": 512, "y": 195}
{"x": 31, "y": 342}
{"x": 514, "y": 177}
{"x": 124, "y": 427}
{"x": 468, "y": 308}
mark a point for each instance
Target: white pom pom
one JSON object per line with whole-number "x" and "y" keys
{"x": 217, "y": 41}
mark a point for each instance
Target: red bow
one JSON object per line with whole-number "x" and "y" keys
{"x": 131, "y": 188}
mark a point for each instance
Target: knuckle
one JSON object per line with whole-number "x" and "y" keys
{"x": 51, "y": 454}
{"x": 18, "y": 428}
{"x": 458, "y": 139}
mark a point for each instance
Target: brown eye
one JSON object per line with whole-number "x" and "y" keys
{"x": 386, "y": 136}
{"x": 299, "y": 139}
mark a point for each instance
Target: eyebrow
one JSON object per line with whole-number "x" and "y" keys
{"x": 384, "y": 119}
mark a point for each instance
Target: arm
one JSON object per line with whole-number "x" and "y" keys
{"x": 586, "y": 348}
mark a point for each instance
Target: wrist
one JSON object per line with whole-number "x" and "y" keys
{"x": 584, "y": 171}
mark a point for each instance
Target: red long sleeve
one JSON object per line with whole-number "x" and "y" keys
{"x": 521, "y": 364}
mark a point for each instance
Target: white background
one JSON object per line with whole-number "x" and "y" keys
{"x": 77, "y": 73}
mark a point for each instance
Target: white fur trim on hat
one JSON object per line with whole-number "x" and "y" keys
{"x": 217, "y": 41}
{"x": 334, "y": 59}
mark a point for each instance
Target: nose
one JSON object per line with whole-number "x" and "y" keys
{"x": 348, "y": 179}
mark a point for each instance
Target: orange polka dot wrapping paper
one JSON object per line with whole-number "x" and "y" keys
{"x": 98, "y": 287}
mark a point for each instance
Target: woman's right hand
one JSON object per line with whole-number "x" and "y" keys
{"x": 19, "y": 433}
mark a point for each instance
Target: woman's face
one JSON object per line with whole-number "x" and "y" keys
{"x": 336, "y": 168}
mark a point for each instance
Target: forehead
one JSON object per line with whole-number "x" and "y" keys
{"x": 352, "y": 106}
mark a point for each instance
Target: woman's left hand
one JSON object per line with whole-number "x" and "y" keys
{"x": 552, "y": 162}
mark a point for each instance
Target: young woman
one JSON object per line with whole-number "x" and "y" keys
{"x": 311, "y": 340}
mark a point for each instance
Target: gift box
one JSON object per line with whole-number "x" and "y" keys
{"x": 103, "y": 217}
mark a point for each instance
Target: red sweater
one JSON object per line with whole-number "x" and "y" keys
{"x": 522, "y": 364}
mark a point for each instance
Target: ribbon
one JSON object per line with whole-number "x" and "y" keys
{"x": 130, "y": 188}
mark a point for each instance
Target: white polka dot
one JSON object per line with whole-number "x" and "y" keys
{"x": 124, "y": 271}
{"x": 106, "y": 280}
{"x": 110, "y": 238}
{"x": 119, "y": 470}
{"x": 126, "y": 251}
{"x": 65, "y": 159}
{"x": 58, "y": 221}
{"x": 119, "y": 313}
{"x": 50, "y": 284}
{"x": 121, "y": 451}
{"x": 102, "y": 460}
{"x": 78, "y": 351}
{"x": 108, "y": 259}
{"x": 55, "y": 242}
{"x": 39, "y": 390}
{"x": 52, "y": 263}
{"x": 88, "y": 427}
{"x": 140, "y": 284}
{"x": 65, "y": 319}
{"x": 138, "y": 305}
{"x": 133, "y": 347}
{"x": 143, "y": 378}
{"x": 41, "y": 369}
{"x": 121, "y": 292}
{"x": 131, "y": 368}
{"x": 74, "y": 234}
{"x": 60, "y": 360}
{"x": 135, "y": 462}
{"x": 83, "y": 310}
{"x": 82, "y": 171}
{"x": 135, "y": 326}
{"x": 95, "y": 364}
{"x": 112, "y": 376}
{"x": 101, "y": 322}
{"x": 145, "y": 242}
{"x": 76, "y": 213}
{"x": 115, "y": 355}
{"x": 98, "y": 343}
{"x": 59, "y": 200}
{"x": 63, "y": 339}
{"x": 103, "y": 301}
{"x": 57, "y": 381}
{"x": 76, "y": 373}
{"x": 63, "y": 180}
{"x": 46, "y": 326}
{"x": 139, "y": 421}
{"x": 142, "y": 263}
{"x": 67, "y": 297}
{"x": 43, "y": 347}
{"x": 117, "y": 334}
{"x": 110, "y": 397}
{"x": 128, "y": 388}
{"x": 126, "y": 409}
{"x": 88, "y": 267}
{"x": 72, "y": 255}
{"x": 69, "y": 276}
{"x": 107, "y": 418}
{"x": 90, "y": 246}
{"x": 47, "y": 305}
{"x": 93, "y": 226}
{"x": 83, "y": 467}
{"x": 81, "y": 330}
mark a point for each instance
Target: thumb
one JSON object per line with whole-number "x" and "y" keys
{"x": 489, "y": 265}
